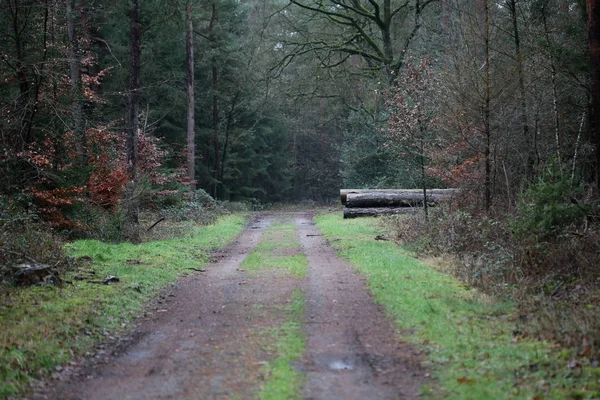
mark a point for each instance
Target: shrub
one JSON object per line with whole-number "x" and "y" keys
{"x": 25, "y": 239}
{"x": 549, "y": 206}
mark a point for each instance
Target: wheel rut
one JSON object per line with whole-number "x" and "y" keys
{"x": 353, "y": 349}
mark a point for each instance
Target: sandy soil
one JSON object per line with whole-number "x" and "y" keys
{"x": 204, "y": 338}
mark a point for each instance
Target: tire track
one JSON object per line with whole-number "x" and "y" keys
{"x": 353, "y": 350}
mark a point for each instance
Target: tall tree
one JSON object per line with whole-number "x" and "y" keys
{"x": 486, "y": 109}
{"x": 512, "y": 6}
{"x": 133, "y": 124}
{"x": 593, "y": 23}
{"x": 75, "y": 80}
{"x": 191, "y": 120}
{"x": 215, "y": 102}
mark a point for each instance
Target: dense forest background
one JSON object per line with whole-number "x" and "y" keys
{"x": 111, "y": 106}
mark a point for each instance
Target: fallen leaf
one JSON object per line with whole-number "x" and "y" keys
{"x": 465, "y": 380}
{"x": 586, "y": 352}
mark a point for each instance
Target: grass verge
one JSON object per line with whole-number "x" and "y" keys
{"x": 282, "y": 380}
{"x": 470, "y": 340}
{"x": 46, "y": 326}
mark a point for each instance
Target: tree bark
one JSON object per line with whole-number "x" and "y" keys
{"x": 374, "y": 212}
{"x": 191, "y": 122}
{"x": 593, "y": 12}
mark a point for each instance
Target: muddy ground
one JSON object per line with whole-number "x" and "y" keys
{"x": 204, "y": 338}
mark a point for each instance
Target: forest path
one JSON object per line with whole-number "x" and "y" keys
{"x": 208, "y": 336}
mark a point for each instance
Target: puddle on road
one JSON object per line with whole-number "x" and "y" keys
{"x": 340, "y": 365}
{"x": 137, "y": 355}
{"x": 261, "y": 223}
{"x": 337, "y": 363}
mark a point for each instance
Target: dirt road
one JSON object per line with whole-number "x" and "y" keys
{"x": 205, "y": 338}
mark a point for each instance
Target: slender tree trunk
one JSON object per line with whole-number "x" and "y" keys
{"x": 215, "y": 108}
{"x": 135, "y": 50}
{"x": 191, "y": 138}
{"x": 75, "y": 82}
{"x": 23, "y": 104}
{"x": 486, "y": 111}
{"x": 228, "y": 133}
{"x": 402, "y": 56}
{"x": 554, "y": 90}
{"x": 593, "y": 12}
{"x": 512, "y": 6}
{"x": 424, "y": 181}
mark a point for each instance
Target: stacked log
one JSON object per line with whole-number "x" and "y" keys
{"x": 374, "y": 202}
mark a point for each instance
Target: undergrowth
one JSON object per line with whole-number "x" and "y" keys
{"x": 553, "y": 279}
{"x": 44, "y": 327}
{"x": 472, "y": 341}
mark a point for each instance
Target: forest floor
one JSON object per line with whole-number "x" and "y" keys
{"x": 275, "y": 315}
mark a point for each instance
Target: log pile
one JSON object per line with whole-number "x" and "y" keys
{"x": 374, "y": 202}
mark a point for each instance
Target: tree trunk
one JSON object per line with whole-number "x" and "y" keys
{"x": 23, "y": 106}
{"x": 228, "y": 133}
{"x": 554, "y": 90}
{"x": 215, "y": 105}
{"x": 512, "y": 6}
{"x": 593, "y": 12}
{"x": 131, "y": 201}
{"x": 191, "y": 138}
{"x": 75, "y": 83}
{"x": 398, "y": 199}
{"x": 444, "y": 193}
{"x": 374, "y": 212}
{"x": 486, "y": 112}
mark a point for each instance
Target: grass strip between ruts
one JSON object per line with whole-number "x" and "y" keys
{"x": 467, "y": 337}
{"x": 282, "y": 380}
{"x": 278, "y": 252}
{"x": 45, "y": 327}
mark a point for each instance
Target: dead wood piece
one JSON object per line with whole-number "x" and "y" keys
{"x": 110, "y": 279}
{"x": 444, "y": 192}
{"x": 154, "y": 224}
{"x": 376, "y": 211}
{"x": 399, "y": 199}
{"x": 33, "y": 274}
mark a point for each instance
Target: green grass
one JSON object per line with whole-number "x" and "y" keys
{"x": 43, "y": 327}
{"x": 283, "y": 381}
{"x": 467, "y": 337}
{"x": 270, "y": 254}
